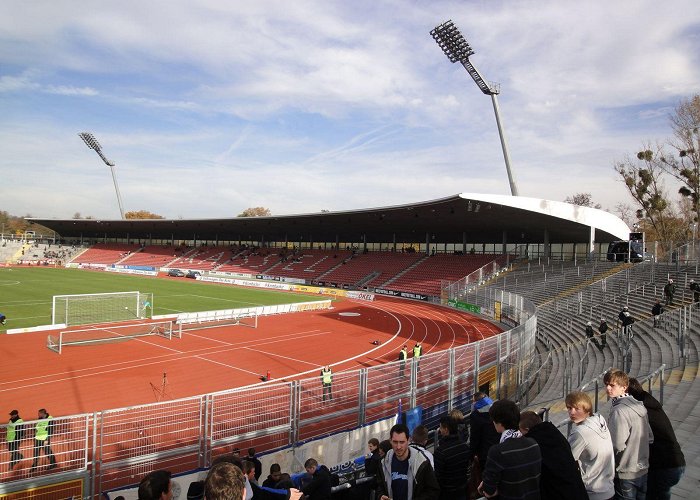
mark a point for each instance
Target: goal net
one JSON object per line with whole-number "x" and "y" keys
{"x": 101, "y": 308}
{"x": 116, "y": 333}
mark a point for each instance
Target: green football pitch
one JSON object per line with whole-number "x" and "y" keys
{"x": 26, "y": 293}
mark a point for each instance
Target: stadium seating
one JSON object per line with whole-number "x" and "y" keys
{"x": 204, "y": 258}
{"x": 309, "y": 264}
{"x": 250, "y": 261}
{"x": 371, "y": 269}
{"x": 155, "y": 256}
{"x": 105, "y": 253}
{"x": 428, "y": 274}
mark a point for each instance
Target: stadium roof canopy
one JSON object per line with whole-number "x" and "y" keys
{"x": 468, "y": 217}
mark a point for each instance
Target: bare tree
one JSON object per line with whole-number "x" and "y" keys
{"x": 643, "y": 180}
{"x": 684, "y": 164}
{"x": 142, "y": 214}
{"x": 582, "y": 200}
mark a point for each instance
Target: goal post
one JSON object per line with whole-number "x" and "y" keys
{"x": 92, "y": 308}
{"x": 116, "y": 333}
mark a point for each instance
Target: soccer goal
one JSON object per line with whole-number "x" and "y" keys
{"x": 93, "y": 308}
{"x": 115, "y": 333}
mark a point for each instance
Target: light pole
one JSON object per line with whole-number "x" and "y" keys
{"x": 456, "y": 48}
{"x": 92, "y": 143}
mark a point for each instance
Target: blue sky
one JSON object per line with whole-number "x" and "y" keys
{"x": 209, "y": 107}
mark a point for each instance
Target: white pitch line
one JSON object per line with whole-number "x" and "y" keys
{"x": 228, "y": 366}
{"x": 281, "y": 356}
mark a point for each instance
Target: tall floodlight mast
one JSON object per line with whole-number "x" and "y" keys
{"x": 456, "y": 48}
{"x": 92, "y": 143}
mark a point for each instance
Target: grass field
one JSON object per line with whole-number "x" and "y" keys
{"x": 26, "y": 293}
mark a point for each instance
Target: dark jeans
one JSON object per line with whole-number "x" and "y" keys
{"x": 15, "y": 455}
{"x": 327, "y": 388}
{"x": 44, "y": 446}
{"x": 631, "y": 489}
{"x": 660, "y": 482}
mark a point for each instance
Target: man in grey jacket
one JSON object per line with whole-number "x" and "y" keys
{"x": 591, "y": 447}
{"x": 631, "y": 435}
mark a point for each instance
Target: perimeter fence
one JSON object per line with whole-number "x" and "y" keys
{"x": 115, "y": 448}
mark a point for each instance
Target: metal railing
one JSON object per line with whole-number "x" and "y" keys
{"x": 114, "y": 448}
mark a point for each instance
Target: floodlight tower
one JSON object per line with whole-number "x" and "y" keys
{"x": 456, "y": 48}
{"x": 92, "y": 143}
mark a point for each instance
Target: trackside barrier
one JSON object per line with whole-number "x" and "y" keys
{"x": 117, "y": 447}
{"x": 227, "y": 314}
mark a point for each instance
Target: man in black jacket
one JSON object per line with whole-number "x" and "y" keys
{"x": 560, "y": 477}
{"x": 451, "y": 462}
{"x": 666, "y": 460}
{"x": 320, "y": 486}
{"x": 482, "y": 434}
{"x": 656, "y": 311}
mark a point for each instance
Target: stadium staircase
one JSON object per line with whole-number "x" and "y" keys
{"x": 570, "y": 361}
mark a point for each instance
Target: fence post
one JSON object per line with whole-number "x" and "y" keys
{"x": 294, "y": 411}
{"x": 361, "y": 414}
{"x": 205, "y": 433}
{"x": 451, "y": 379}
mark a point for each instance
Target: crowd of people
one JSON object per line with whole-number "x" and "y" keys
{"x": 498, "y": 452}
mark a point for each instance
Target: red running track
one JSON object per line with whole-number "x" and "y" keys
{"x": 97, "y": 377}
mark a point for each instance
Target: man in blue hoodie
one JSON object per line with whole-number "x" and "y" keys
{"x": 631, "y": 436}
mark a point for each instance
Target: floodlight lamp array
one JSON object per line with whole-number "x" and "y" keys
{"x": 90, "y": 141}
{"x": 452, "y": 42}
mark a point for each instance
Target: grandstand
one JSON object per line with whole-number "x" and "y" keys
{"x": 563, "y": 277}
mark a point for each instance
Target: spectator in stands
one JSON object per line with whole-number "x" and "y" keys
{"x": 43, "y": 430}
{"x": 224, "y": 481}
{"x": 403, "y": 355}
{"x": 319, "y": 488}
{"x": 265, "y": 493}
{"x": 195, "y": 491}
{"x": 560, "y": 473}
{"x": 591, "y": 446}
{"x": 656, "y": 311}
{"x": 669, "y": 292}
{"x": 457, "y": 415}
{"x": 327, "y": 382}
{"x": 631, "y": 436}
{"x": 274, "y": 477}
{"x": 419, "y": 441}
{"x": 157, "y": 485}
{"x": 258, "y": 465}
{"x": 384, "y": 447}
{"x": 373, "y": 460}
{"x": 626, "y": 320}
{"x": 513, "y": 466}
{"x": 666, "y": 460}
{"x": 451, "y": 462}
{"x": 482, "y": 433}
{"x": 695, "y": 288}
{"x": 13, "y": 437}
{"x": 406, "y": 475}
{"x": 602, "y": 329}
{"x": 590, "y": 335}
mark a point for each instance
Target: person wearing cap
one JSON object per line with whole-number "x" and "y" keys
{"x": 694, "y": 287}
{"x": 590, "y": 335}
{"x": 669, "y": 292}
{"x": 42, "y": 438}
{"x": 15, "y": 430}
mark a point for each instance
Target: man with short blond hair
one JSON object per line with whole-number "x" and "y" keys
{"x": 631, "y": 435}
{"x": 225, "y": 481}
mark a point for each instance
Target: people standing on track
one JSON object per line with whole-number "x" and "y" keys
{"x": 656, "y": 311}
{"x": 327, "y": 382}
{"x": 417, "y": 352}
{"x": 403, "y": 355}
{"x": 669, "y": 292}
{"x": 43, "y": 430}
{"x": 15, "y": 431}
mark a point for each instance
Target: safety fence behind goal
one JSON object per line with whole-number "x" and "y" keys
{"x": 114, "y": 333}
